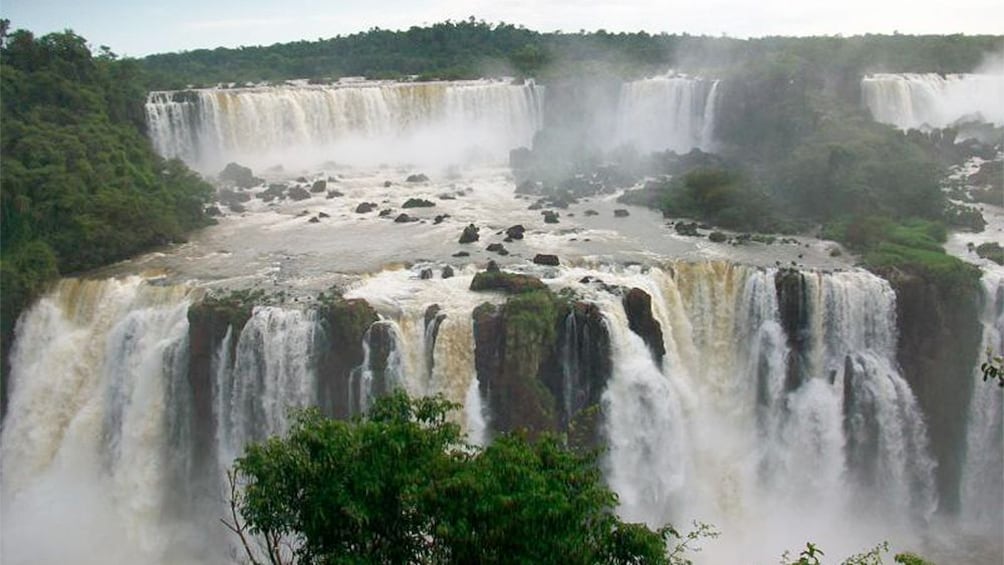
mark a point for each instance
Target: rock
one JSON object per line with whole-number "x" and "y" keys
{"x": 515, "y": 232}
{"x": 323, "y": 215}
{"x": 991, "y": 251}
{"x": 545, "y": 259}
{"x": 417, "y": 203}
{"x": 273, "y": 192}
{"x": 447, "y": 272}
{"x": 426, "y": 274}
{"x": 688, "y": 229}
{"x": 385, "y": 212}
{"x": 227, "y": 196}
{"x": 239, "y": 176}
{"x": 313, "y": 220}
{"x": 550, "y": 217}
{"x": 470, "y": 234}
{"x": 507, "y": 282}
{"x": 638, "y": 306}
{"x": 461, "y": 254}
{"x": 404, "y": 218}
{"x": 301, "y": 179}
{"x": 447, "y": 197}
{"x": 439, "y": 219}
{"x": 238, "y": 208}
{"x": 717, "y": 237}
{"x": 319, "y": 186}
{"x": 591, "y": 213}
{"x": 366, "y": 207}
{"x": 621, "y": 213}
{"x": 495, "y": 247}
{"x": 493, "y": 267}
{"x": 417, "y": 178}
{"x": 298, "y": 193}
{"x": 386, "y": 184}
{"x": 334, "y": 194}
{"x": 213, "y": 210}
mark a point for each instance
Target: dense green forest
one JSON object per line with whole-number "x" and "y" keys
{"x": 81, "y": 185}
{"x": 471, "y": 48}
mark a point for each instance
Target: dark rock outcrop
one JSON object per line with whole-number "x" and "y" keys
{"x": 366, "y": 207}
{"x": 418, "y": 203}
{"x": 545, "y": 259}
{"x": 298, "y": 193}
{"x": 470, "y": 234}
{"x": 420, "y": 177}
{"x": 792, "y": 301}
{"x": 506, "y": 282}
{"x": 621, "y": 213}
{"x": 239, "y": 176}
{"x": 344, "y": 324}
{"x": 515, "y": 232}
{"x": 638, "y": 306}
{"x": 319, "y": 186}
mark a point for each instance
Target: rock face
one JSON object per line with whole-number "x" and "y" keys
{"x": 939, "y": 342}
{"x": 345, "y": 323}
{"x": 544, "y": 259}
{"x": 794, "y": 309}
{"x": 638, "y": 306}
{"x": 470, "y": 234}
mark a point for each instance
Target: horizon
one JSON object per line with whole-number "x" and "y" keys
{"x": 191, "y": 26}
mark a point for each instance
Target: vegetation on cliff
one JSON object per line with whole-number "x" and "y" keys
{"x": 81, "y": 185}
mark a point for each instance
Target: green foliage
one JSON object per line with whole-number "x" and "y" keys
{"x": 991, "y": 250}
{"x": 81, "y": 185}
{"x": 722, "y": 196}
{"x": 400, "y": 486}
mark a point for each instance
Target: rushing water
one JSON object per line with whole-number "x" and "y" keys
{"x": 779, "y": 417}
{"x": 354, "y": 122}
{"x": 930, "y": 100}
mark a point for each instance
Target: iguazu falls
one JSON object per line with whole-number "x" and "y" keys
{"x": 750, "y": 289}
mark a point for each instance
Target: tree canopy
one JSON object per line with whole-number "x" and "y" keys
{"x": 401, "y": 486}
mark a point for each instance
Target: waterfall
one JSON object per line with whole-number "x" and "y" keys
{"x": 672, "y": 112}
{"x": 89, "y": 433}
{"x": 983, "y": 470}
{"x": 930, "y": 100}
{"x": 358, "y": 122}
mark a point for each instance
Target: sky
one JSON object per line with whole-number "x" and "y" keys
{"x": 138, "y": 27}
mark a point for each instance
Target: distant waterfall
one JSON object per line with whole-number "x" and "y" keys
{"x": 932, "y": 100}
{"x": 368, "y": 122}
{"x": 983, "y": 471}
{"x": 672, "y": 112}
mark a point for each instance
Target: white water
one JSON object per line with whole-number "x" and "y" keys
{"x": 924, "y": 101}
{"x": 358, "y": 123}
{"x": 672, "y": 112}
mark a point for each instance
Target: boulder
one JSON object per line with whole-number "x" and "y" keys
{"x": 461, "y": 254}
{"x": 495, "y": 247}
{"x": 334, "y": 194}
{"x": 417, "y": 178}
{"x": 507, "y": 282}
{"x": 366, "y": 207}
{"x": 717, "y": 237}
{"x": 385, "y": 212}
{"x": 323, "y": 215}
{"x": 418, "y": 203}
{"x": 426, "y": 274}
{"x": 470, "y": 234}
{"x": 239, "y": 176}
{"x": 545, "y": 259}
{"x": 591, "y": 213}
{"x": 298, "y": 193}
{"x": 313, "y": 220}
{"x": 439, "y": 219}
{"x": 515, "y": 232}
{"x": 621, "y": 213}
{"x": 447, "y": 272}
{"x": 550, "y": 217}
{"x": 319, "y": 186}
{"x": 404, "y": 219}
{"x": 688, "y": 229}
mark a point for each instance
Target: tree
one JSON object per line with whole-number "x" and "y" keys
{"x": 400, "y": 485}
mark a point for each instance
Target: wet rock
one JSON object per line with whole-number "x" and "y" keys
{"x": 313, "y": 220}
{"x": 319, "y": 186}
{"x": 447, "y": 272}
{"x": 227, "y": 196}
{"x": 238, "y": 208}
{"x": 385, "y": 212}
{"x": 323, "y": 215}
{"x": 366, "y": 207}
{"x": 213, "y": 210}
{"x": 273, "y": 192}
{"x": 386, "y": 184}
{"x": 334, "y": 194}
{"x": 717, "y": 237}
{"x": 591, "y": 213}
{"x": 550, "y": 217}
{"x": 404, "y": 219}
{"x": 301, "y": 179}
{"x": 447, "y": 197}
{"x": 470, "y": 234}
{"x": 545, "y": 259}
{"x": 239, "y": 176}
{"x": 426, "y": 274}
{"x": 417, "y": 178}
{"x": 508, "y": 282}
{"x": 439, "y": 219}
{"x": 687, "y": 229}
{"x": 495, "y": 248}
{"x": 461, "y": 254}
{"x": 515, "y": 232}
{"x": 638, "y": 306}
{"x": 621, "y": 213}
{"x": 418, "y": 203}
{"x": 298, "y": 193}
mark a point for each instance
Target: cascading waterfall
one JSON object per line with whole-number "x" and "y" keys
{"x": 89, "y": 432}
{"x": 931, "y": 100}
{"x": 983, "y": 471}
{"x": 720, "y": 429}
{"x": 672, "y": 112}
{"x": 359, "y": 122}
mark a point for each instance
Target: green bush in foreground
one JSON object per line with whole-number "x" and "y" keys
{"x": 401, "y": 486}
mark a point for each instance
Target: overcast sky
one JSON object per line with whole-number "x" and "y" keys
{"x": 137, "y": 27}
